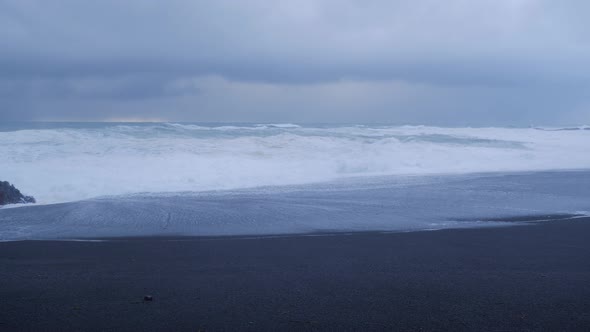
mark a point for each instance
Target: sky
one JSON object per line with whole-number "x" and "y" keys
{"x": 448, "y": 63}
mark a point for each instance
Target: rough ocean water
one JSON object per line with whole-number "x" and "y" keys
{"x": 126, "y": 179}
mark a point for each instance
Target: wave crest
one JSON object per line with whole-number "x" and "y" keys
{"x": 66, "y": 164}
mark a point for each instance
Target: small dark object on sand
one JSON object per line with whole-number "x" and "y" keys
{"x": 10, "y": 195}
{"x": 148, "y": 298}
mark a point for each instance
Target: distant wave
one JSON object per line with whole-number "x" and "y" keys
{"x": 66, "y": 163}
{"x": 279, "y": 125}
{"x": 584, "y": 127}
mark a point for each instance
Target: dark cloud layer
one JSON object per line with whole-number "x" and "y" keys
{"x": 434, "y": 62}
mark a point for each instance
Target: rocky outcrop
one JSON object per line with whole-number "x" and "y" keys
{"x": 10, "y": 195}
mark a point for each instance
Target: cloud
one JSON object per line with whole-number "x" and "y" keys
{"x": 506, "y": 53}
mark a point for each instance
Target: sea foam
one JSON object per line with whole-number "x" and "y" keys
{"x": 62, "y": 163}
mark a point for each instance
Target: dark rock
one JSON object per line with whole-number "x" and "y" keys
{"x": 10, "y": 195}
{"x": 148, "y": 298}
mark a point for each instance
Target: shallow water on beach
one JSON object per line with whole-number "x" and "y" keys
{"x": 385, "y": 203}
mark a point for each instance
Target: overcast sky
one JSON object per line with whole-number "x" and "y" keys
{"x": 451, "y": 62}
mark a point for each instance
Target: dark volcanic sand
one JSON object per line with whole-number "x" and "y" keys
{"x": 501, "y": 279}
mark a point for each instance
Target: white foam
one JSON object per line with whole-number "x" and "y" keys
{"x": 59, "y": 165}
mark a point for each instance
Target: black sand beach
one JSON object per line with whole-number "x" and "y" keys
{"x": 521, "y": 278}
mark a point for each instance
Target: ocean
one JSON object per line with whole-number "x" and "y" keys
{"x": 132, "y": 179}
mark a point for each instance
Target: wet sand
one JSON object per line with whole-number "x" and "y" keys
{"x": 533, "y": 277}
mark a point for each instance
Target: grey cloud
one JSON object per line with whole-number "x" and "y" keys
{"x": 139, "y": 54}
{"x": 285, "y": 41}
{"x": 117, "y": 88}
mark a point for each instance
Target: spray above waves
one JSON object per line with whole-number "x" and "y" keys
{"x": 66, "y": 163}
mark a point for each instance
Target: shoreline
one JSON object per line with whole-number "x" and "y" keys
{"x": 535, "y": 277}
{"x": 484, "y": 223}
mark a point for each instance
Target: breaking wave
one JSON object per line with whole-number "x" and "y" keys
{"x": 60, "y": 163}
